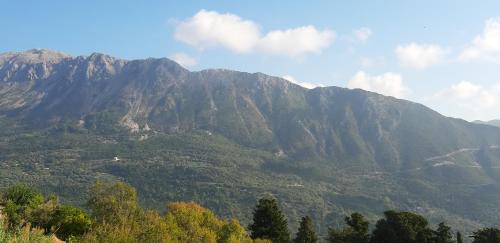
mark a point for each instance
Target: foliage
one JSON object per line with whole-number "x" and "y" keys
{"x": 123, "y": 220}
{"x": 399, "y": 227}
{"x": 486, "y": 235}
{"x": 443, "y": 234}
{"x": 184, "y": 222}
{"x": 356, "y": 232}
{"x": 459, "y": 237}
{"x": 113, "y": 202}
{"x": 70, "y": 221}
{"x": 269, "y": 222}
{"x": 26, "y": 234}
{"x": 189, "y": 222}
{"x": 306, "y": 232}
{"x": 18, "y": 202}
{"x": 30, "y": 217}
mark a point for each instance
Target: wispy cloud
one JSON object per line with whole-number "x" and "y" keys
{"x": 388, "y": 83}
{"x": 362, "y": 34}
{"x": 184, "y": 59}
{"x": 303, "y": 84}
{"x": 468, "y": 99}
{"x": 421, "y": 56}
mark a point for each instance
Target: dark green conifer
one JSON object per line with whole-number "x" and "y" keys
{"x": 443, "y": 234}
{"x": 459, "y": 237}
{"x": 269, "y": 222}
{"x": 306, "y": 233}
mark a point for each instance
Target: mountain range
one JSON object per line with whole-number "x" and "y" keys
{"x": 492, "y": 122}
{"x": 225, "y": 138}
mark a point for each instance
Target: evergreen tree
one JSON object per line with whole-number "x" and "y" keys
{"x": 443, "y": 234}
{"x": 306, "y": 232}
{"x": 459, "y": 237}
{"x": 356, "y": 232}
{"x": 486, "y": 235}
{"x": 269, "y": 222}
{"x": 399, "y": 227}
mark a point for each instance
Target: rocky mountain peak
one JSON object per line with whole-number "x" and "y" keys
{"x": 33, "y": 56}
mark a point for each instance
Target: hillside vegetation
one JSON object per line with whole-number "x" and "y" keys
{"x": 116, "y": 216}
{"x": 225, "y": 138}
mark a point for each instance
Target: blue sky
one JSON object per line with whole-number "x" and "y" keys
{"x": 445, "y": 54}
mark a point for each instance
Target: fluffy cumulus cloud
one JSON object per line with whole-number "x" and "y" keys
{"x": 420, "y": 55}
{"x": 362, "y": 34}
{"x": 468, "y": 100}
{"x": 210, "y": 29}
{"x": 303, "y": 84}
{"x": 184, "y": 59}
{"x": 390, "y": 84}
{"x": 485, "y": 46}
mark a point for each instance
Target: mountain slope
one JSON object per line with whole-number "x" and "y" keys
{"x": 224, "y": 137}
{"x": 492, "y": 122}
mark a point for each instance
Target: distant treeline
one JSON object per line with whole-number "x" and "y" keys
{"x": 114, "y": 215}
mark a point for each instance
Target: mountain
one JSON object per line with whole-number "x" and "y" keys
{"x": 224, "y": 138}
{"x": 492, "y": 122}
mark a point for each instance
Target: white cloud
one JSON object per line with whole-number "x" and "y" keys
{"x": 362, "y": 34}
{"x": 420, "y": 55}
{"x": 387, "y": 84}
{"x": 210, "y": 29}
{"x": 464, "y": 90}
{"x": 468, "y": 100}
{"x": 303, "y": 84}
{"x": 296, "y": 42}
{"x": 184, "y": 59}
{"x": 485, "y": 46}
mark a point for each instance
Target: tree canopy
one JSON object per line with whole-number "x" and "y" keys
{"x": 306, "y": 232}
{"x": 269, "y": 222}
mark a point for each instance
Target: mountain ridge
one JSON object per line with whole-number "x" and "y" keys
{"x": 177, "y": 131}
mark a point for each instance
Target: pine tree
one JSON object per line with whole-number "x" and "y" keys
{"x": 306, "y": 232}
{"x": 443, "y": 234}
{"x": 459, "y": 237}
{"x": 269, "y": 222}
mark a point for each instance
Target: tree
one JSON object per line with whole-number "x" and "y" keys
{"x": 399, "y": 227}
{"x": 356, "y": 232}
{"x": 486, "y": 235}
{"x": 70, "y": 221}
{"x": 18, "y": 202}
{"x": 269, "y": 222}
{"x": 306, "y": 233}
{"x": 189, "y": 222}
{"x": 113, "y": 203}
{"x": 459, "y": 237}
{"x": 443, "y": 234}
{"x": 42, "y": 216}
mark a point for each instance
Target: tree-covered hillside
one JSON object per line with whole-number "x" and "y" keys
{"x": 224, "y": 138}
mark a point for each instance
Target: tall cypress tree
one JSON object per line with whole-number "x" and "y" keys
{"x": 306, "y": 232}
{"x": 269, "y": 222}
{"x": 459, "y": 237}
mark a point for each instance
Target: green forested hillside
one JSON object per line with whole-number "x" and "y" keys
{"x": 224, "y": 138}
